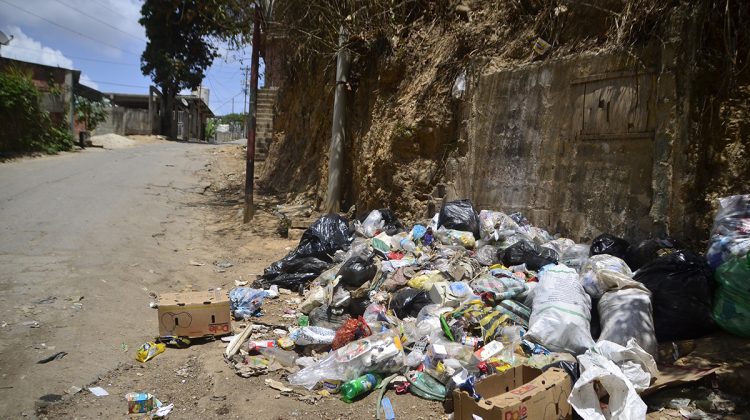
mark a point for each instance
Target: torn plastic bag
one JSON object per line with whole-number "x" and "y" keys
{"x": 525, "y": 252}
{"x": 357, "y": 270}
{"x": 597, "y": 372}
{"x": 561, "y": 312}
{"x": 245, "y": 302}
{"x": 601, "y": 273}
{"x": 454, "y": 237}
{"x": 626, "y": 314}
{"x": 732, "y": 300}
{"x": 407, "y": 302}
{"x": 486, "y": 255}
{"x": 636, "y": 364}
{"x": 730, "y": 234}
{"x": 505, "y": 286}
{"x": 324, "y": 237}
{"x": 306, "y": 336}
{"x": 372, "y": 224}
{"x": 610, "y": 244}
{"x": 495, "y": 225}
{"x": 378, "y": 353}
{"x": 681, "y": 286}
{"x": 459, "y": 215}
{"x": 649, "y": 250}
{"x": 575, "y": 256}
{"x": 315, "y": 297}
{"x": 325, "y": 316}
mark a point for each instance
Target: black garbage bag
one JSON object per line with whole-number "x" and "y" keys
{"x": 326, "y": 317}
{"x": 526, "y": 252}
{"x": 323, "y": 238}
{"x": 357, "y": 270}
{"x": 407, "y": 302}
{"x": 392, "y": 224}
{"x": 312, "y": 256}
{"x": 610, "y": 244}
{"x": 649, "y": 250}
{"x": 459, "y": 215}
{"x": 357, "y": 306}
{"x": 681, "y": 285}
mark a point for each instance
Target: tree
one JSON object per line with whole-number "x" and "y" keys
{"x": 181, "y": 42}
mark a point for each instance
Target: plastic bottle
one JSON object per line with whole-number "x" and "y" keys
{"x": 284, "y": 357}
{"x": 360, "y": 386}
{"x": 408, "y": 245}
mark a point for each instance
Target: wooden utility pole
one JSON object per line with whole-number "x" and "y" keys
{"x": 250, "y": 161}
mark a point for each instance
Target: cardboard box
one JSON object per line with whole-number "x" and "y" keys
{"x": 194, "y": 314}
{"x": 519, "y": 393}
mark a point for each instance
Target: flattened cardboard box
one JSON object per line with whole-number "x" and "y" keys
{"x": 194, "y": 314}
{"x": 519, "y": 393}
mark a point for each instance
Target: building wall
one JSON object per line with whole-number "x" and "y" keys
{"x": 126, "y": 121}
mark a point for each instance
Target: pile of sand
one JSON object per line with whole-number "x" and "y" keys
{"x": 112, "y": 141}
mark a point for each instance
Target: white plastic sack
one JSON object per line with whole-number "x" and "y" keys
{"x": 604, "y": 272}
{"x": 637, "y": 365}
{"x": 315, "y": 297}
{"x": 306, "y": 336}
{"x": 626, "y": 314}
{"x": 373, "y": 223}
{"x": 624, "y": 402}
{"x": 561, "y": 312}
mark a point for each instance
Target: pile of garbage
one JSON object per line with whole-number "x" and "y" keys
{"x": 445, "y": 306}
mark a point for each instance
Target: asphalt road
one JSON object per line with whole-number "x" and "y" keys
{"x": 85, "y": 237}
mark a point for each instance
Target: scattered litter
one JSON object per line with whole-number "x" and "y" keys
{"x": 197, "y": 264}
{"x": 272, "y": 383}
{"x": 56, "y": 356}
{"x": 31, "y": 324}
{"x": 224, "y": 264}
{"x": 149, "y": 350}
{"x": 98, "y": 391}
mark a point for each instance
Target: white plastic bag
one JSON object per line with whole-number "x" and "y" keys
{"x": 604, "y": 272}
{"x": 561, "y": 312}
{"x": 380, "y": 353}
{"x": 306, "y": 336}
{"x": 624, "y": 402}
{"x": 373, "y": 223}
{"x": 625, "y": 314}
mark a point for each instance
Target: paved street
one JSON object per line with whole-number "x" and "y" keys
{"x": 84, "y": 238}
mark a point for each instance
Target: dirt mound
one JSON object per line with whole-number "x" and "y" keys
{"x": 112, "y": 141}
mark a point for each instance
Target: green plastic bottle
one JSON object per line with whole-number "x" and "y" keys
{"x": 360, "y": 386}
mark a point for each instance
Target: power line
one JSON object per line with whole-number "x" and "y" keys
{"x": 119, "y": 84}
{"x": 68, "y": 29}
{"x": 10, "y": 48}
{"x": 101, "y": 21}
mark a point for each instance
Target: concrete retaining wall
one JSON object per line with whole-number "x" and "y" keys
{"x": 581, "y": 145}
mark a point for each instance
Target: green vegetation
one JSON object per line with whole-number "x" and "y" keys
{"x": 26, "y": 127}
{"x": 91, "y": 113}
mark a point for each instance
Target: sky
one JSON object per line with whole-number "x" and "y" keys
{"x": 103, "y": 39}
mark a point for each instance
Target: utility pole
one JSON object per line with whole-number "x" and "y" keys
{"x": 246, "y": 69}
{"x": 338, "y": 130}
{"x": 250, "y": 162}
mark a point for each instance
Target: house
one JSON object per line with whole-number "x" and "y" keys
{"x": 141, "y": 114}
{"x": 59, "y": 87}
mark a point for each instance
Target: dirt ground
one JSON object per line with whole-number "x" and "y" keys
{"x": 198, "y": 381}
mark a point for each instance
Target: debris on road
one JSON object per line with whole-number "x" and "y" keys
{"x": 57, "y": 356}
{"x": 98, "y": 391}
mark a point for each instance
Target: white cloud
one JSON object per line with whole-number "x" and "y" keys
{"x": 88, "y": 82}
{"x": 24, "y": 48}
{"x": 112, "y": 22}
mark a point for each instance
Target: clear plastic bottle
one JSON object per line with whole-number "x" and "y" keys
{"x": 360, "y": 386}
